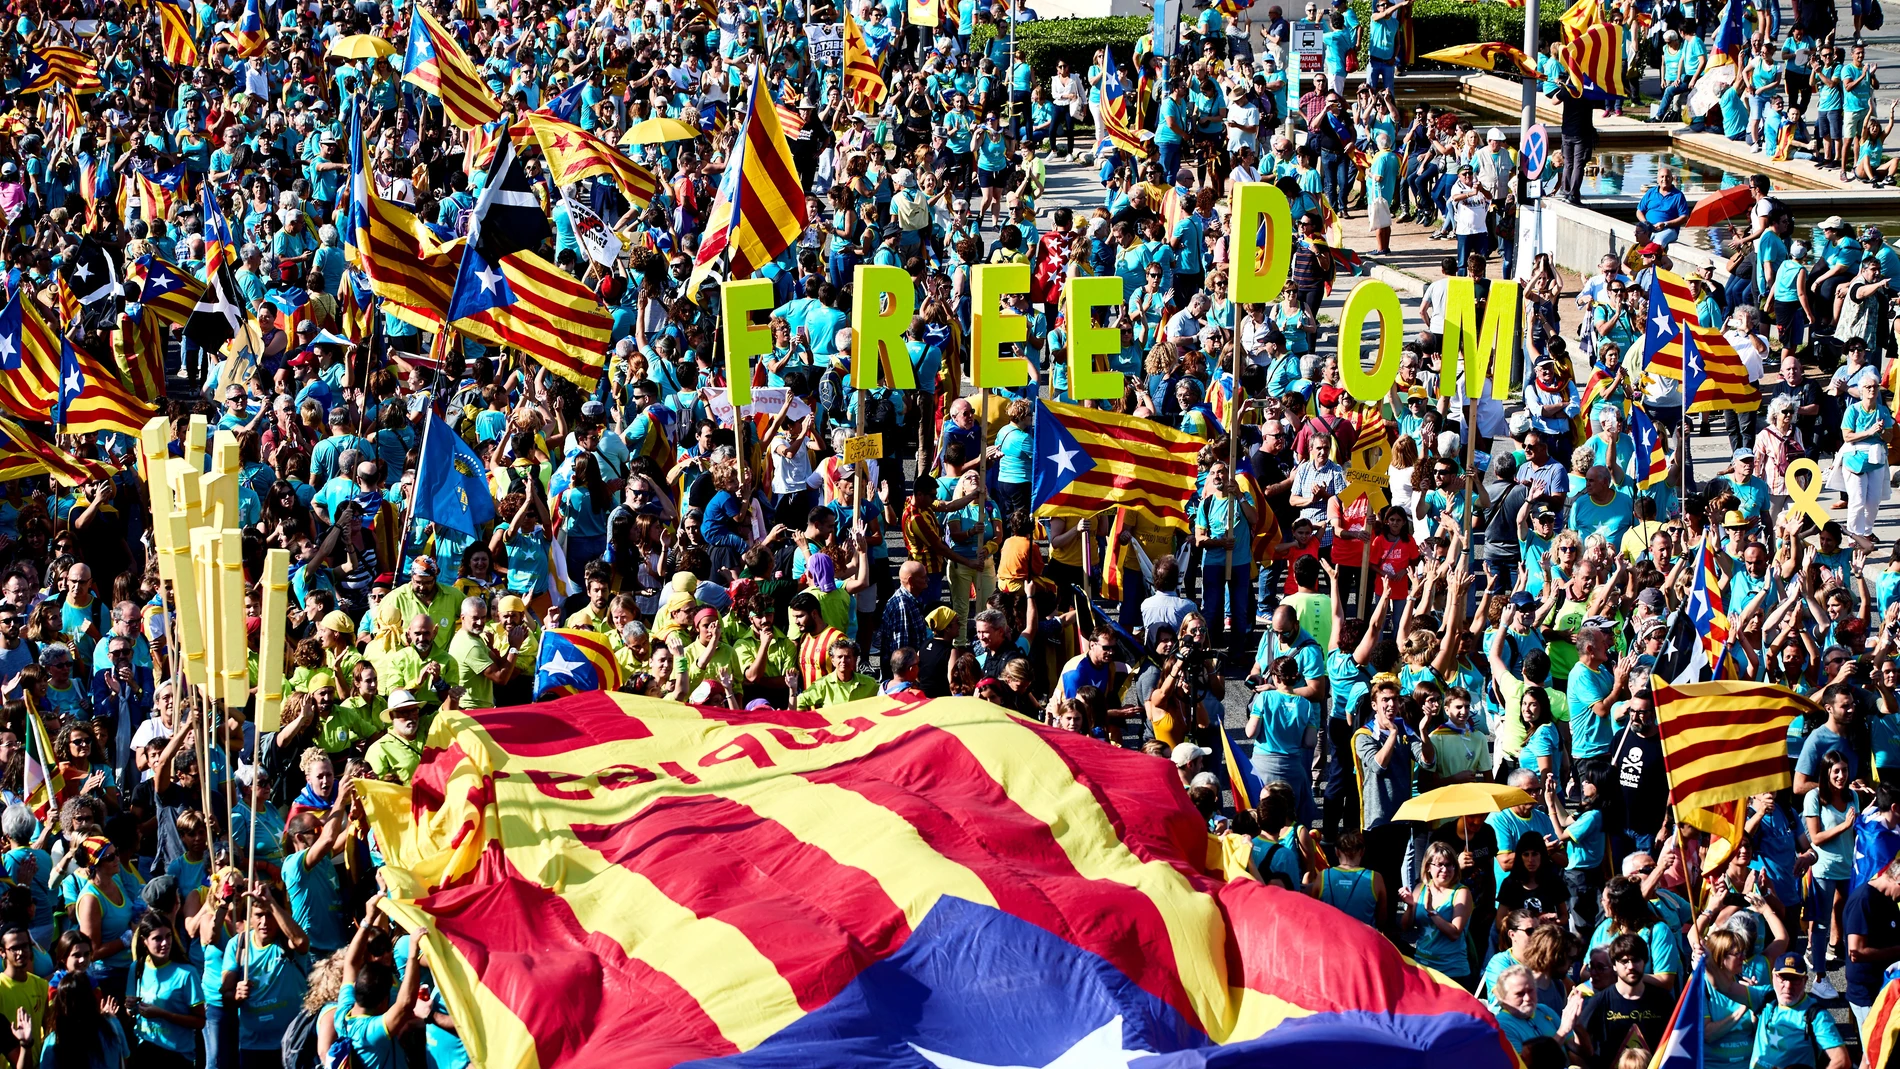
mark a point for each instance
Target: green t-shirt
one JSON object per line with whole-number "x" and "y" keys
{"x": 830, "y": 691}
{"x": 1316, "y": 615}
{"x": 469, "y": 659}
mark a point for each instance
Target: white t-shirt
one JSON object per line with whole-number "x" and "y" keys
{"x": 1470, "y": 215}
{"x": 789, "y": 473}
{"x": 1435, "y": 297}
{"x": 1239, "y": 116}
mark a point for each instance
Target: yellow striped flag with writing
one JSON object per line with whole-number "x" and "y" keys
{"x": 817, "y": 888}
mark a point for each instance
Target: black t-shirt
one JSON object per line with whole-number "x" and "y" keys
{"x": 1608, "y": 1018}
{"x": 1640, "y": 782}
{"x": 1876, "y": 919}
{"x": 161, "y": 841}
{"x": 1541, "y": 899}
{"x": 1500, "y": 534}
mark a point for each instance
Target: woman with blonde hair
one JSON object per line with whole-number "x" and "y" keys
{"x": 1730, "y": 1005}
{"x": 326, "y": 985}
{"x": 1439, "y": 909}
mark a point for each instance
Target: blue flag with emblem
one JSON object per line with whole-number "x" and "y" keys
{"x": 451, "y": 482}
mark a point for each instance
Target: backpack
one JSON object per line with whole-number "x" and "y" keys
{"x": 299, "y": 1047}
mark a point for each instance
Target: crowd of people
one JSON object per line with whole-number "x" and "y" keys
{"x": 1402, "y": 596}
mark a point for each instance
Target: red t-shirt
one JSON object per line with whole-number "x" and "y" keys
{"x": 1310, "y": 549}
{"x": 1347, "y": 552}
{"x": 1390, "y": 559}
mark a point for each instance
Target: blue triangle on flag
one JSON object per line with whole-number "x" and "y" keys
{"x": 1060, "y": 459}
{"x": 479, "y": 286}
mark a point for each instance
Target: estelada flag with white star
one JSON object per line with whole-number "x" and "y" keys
{"x": 92, "y": 398}
{"x": 1088, "y": 460}
{"x": 887, "y": 882}
{"x": 574, "y": 661}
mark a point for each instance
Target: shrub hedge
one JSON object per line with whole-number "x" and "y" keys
{"x": 1045, "y": 41}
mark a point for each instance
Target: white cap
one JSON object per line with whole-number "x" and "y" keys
{"x": 1495, "y": 135}
{"x": 1186, "y": 752}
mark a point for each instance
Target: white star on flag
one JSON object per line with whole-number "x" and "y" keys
{"x": 561, "y": 666}
{"x": 161, "y": 283}
{"x": 82, "y": 272}
{"x": 1665, "y": 323}
{"x": 34, "y": 70}
{"x": 1064, "y": 459}
{"x": 7, "y": 349}
{"x": 75, "y": 384}
{"x": 1097, "y": 1050}
{"x": 490, "y": 279}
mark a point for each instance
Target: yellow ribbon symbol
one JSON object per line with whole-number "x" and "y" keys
{"x": 1803, "y": 479}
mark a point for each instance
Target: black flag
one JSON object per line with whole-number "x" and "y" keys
{"x": 507, "y": 216}
{"x": 219, "y": 316}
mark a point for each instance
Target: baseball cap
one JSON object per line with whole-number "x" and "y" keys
{"x": 1744, "y": 453}
{"x": 1329, "y": 395}
{"x": 1522, "y": 600}
{"x": 1650, "y": 249}
{"x": 1834, "y": 222}
{"x": 1187, "y": 752}
{"x": 1790, "y": 965}
{"x": 1495, "y": 135}
{"x": 1652, "y": 598}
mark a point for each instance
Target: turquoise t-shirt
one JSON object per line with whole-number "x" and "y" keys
{"x": 1731, "y": 1049}
{"x": 1284, "y": 719}
{"x": 1857, "y": 97}
{"x": 371, "y": 1044}
{"x": 1590, "y": 735}
{"x": 1782, "y": 1040}
{"x": 1586, "y": 839}
{"x": 1834, "y": 859}
{"x": 1734, "y": 114}
{"x": 278, "y": 983}
{"x": 1170, "y": 109}
{"x": 1017, "y": 446}
{"x": 1828, "y": 98}
{"x": 312, "y": 890}
{"x": 174, "y": 987}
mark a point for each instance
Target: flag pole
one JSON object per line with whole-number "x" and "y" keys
{"x": 1233, "y": 460}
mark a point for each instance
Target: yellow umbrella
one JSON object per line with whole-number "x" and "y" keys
{"x": 658, "y": 130}
{"x": 361, "y": 46}
{"x": 1462, "y": 799}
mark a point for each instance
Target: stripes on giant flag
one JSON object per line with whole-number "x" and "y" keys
{"x": 704, "y": 882}
{"x": 47, "y": 65}
{"x": 1727, "y": 739}
{"x": 436, "y": 64}
{"x": 24, "y": 454}
{"x": 177, "y": 33}
{"x": 103, "y": 401}
{"x": 29, "y": 360}
{"x": 1593, "y": 50}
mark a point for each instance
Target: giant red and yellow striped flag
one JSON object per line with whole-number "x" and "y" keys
{"x": 823, "y": 887}
{"x": 1592, "y": 52}
{"x": 406, "y": 264}
{"x": 863, "y": 81}
{"x": 1089, "y": 460}
{"x": 760, "y": 209}
{"x": 1880, "y": 1029}
{"x": 1725, "y": 740}
{"x": 574, "y": 154}
{"x": 554, "y": 318}
{"x": 436, "y": 64}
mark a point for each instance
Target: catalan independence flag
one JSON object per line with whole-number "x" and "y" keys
{"x": 528, "y": 303}
{"x": 760, "y": 208}
{"x": 1671, "y": 307}
{"x": 1117, "y": 129}
{"x": 1714, "y": 378}
{"x": 1681, "y": 1046}
{"x": 48, "y": 65}
{"x": 169, "y": 290}
{"x": 573, "y": 154}
{"x": 1727, "y": 739}
{"x": 29, "y": 360}
{"x": 845, "y": 886}
{"x": 863, "y": 81}
{"x": 220, "y": 248}
{"x": 573, "y": 661}
{"x": 1088, "y": 460}
{"x": 249, "y": 37}
{"x": 1880, "y": 1030}
{"x": 92, "y": 398}
{"x": 435, "y": 64}
{"x": 1649, "y": 465}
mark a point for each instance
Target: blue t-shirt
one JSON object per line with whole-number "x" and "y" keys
{"x": 1590, "y": 735}
{"x": 1782, "y": 1037}
{"x": 1586, "y": 840}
